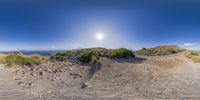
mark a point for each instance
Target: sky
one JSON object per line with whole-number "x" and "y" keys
{"x": 72, "y": 24}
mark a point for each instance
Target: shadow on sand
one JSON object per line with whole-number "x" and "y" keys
{"x": 135, "y": 60}
{"x": 94, "y": 68}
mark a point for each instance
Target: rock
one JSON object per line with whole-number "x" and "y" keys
{"x": 17, "y": 78}
{"x": 41, "y": 73}
{"x": 53, "y": 79}
{"x": 69, "y": 69}
{"x": 23, "y": 72}
{"x": 75, "y": 75}
{"x": 25, "y": 84}
{"x": 32, "y": 74}
{"x": 29, "y": 85}
{"x": 66, "y": 65}
{"x": 86, "y": 85}
{"x": 49, "y": 91}
{"x": 48, "y": 78}
{"x": 61, "y": 70}
{"x": 50, "y": 71}
{"x": 21, "y": 83}
{"x": 17, "y": 70}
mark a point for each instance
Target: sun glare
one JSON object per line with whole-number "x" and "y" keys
{"x": 99, "y": 36}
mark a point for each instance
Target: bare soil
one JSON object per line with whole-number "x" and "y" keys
{"x": 152, "y": 77}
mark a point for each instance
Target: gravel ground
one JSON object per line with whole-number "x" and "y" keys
{"x": 164, "y": 77}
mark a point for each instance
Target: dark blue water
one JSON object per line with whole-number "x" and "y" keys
{"x": 43, "y": 53}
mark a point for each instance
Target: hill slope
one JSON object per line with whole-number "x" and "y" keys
{"x": 160, "y": 50}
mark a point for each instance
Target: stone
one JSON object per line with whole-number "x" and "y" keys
{"x": 32, "y": 74}
{"x": 66, "y": 65}
{"x": 21, "y": 83}
{"x": 29, "y": 84}
{"x": 41, "y": 73}
{"x": 86, "y": 85}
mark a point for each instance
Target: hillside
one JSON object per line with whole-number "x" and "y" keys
{"x": 160, "y": 50}
{"x": 142, "y": 77}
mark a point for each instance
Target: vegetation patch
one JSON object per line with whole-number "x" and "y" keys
{"x": 102, "y": 52}
{"x": 16, "y": 58}
{"x": 160, "y": 50}
{"x": 60, "y": 56}
{"x": 195, "y": 56}
{"x": 89, "y": 57}
{"x": 2, "y": 58}
{"x": 92, "y": 55}
{"x": 121, "y": 53}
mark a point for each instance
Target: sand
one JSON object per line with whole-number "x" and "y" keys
{"x": 161, "y": 77}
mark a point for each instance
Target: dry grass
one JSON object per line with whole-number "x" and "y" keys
{"x": 195, "y": 56}
{"x": 160, "y": 50}
{"x": 16, "y": 58}
{"x": 2, "y": 58}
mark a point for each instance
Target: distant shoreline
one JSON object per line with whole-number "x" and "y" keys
{"x": 43, "y": 53}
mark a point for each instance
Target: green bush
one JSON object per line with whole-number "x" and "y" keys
{"x": 60, "y": 56}
{"x": 121, "y": 53}
{"x": 102, "y": 52}
{"x": 160, "y": 50}
{"x": 89, "y": 57}
{"x": 64, "y": 54}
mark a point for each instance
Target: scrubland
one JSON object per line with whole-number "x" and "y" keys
{"x": 163, "y": 72}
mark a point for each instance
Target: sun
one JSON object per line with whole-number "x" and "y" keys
{"x": 99, "y": 36}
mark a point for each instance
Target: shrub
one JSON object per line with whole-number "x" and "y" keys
{"x": 14, "y": 59}
{"x": 2, "y": 58}
{"x": 102, "y": 52}
{"x": 160, "y": 50}
{"x": 64, "y": 54}
{"x": 196, "y": 59}
{"x": 89, "y": 57}
{"x": 195, "y": 56}
{"x": 60, "y": 56}
{"x": 121, "y": 53}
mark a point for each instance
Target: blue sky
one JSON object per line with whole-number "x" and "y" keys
{"x": 71, "y": 24}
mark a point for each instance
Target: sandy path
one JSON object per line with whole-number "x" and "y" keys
{"x": 166, "y": 77}
{"x": 9, "y": 89}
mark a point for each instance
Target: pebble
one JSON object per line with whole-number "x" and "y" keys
{"x": 86, "y": 85}
{"x": 41, "y": 73}
{"x": 21, "y": 83}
